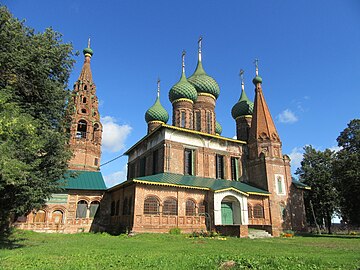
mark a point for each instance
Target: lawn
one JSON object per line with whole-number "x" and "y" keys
{"x": 30, "y": 250}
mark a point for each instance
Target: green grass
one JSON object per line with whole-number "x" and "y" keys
{"x": 30, "y": 250}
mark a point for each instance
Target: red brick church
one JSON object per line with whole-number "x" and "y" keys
{"x": 183, "y": 175}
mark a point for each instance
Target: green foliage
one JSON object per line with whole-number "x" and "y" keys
{"x": 347, "y": 172}
{"x": 34, "y": 70}
{"x": 316, "y": 171}
{"x": 31, "y": 250}
{"x": 175, "y": 231}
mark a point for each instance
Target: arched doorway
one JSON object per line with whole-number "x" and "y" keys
{"x": 230, "y": 211}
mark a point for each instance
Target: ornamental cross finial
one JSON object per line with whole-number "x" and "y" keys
{"x": 158, "y": 87}
{"x": 242, "y": 79}
{"x": 199, "y": 47}
{"x": 89, "y": 43}
{"x": 183, "y": 60}
{"x": 256, "y": 62}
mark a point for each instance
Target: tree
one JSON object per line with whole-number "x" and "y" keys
{"x": 34, "y": 70}
{"x": 316, "y": 171}
{"x": 347, "y": 172}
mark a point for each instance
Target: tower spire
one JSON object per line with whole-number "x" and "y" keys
{"x": 86, "y": 74}
{"x": 183, "y": 61}
{"x": 199, "y": 48}
{"x": 241, "y": 74}
{"x": 158, "y": 87}
{"x": 256, "y": 62}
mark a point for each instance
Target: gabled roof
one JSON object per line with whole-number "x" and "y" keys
{"x": 195, "y": 182}
{"x": 84, "y": 180}
{"x": 300, "y": 185}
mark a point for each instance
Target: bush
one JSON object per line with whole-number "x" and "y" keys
{"x": 175, "y": 231}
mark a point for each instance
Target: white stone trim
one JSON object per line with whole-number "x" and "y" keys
{"x": 277, "y": 176}
{"x": 242, "y": 199}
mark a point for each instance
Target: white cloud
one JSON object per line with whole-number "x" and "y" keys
{"x": 335, "y": 148}
{"x": 114, "y": 135}
{"x": 287, "y": 117}
{"x": 116, "y": 177}
{"x": 296, "y": 157}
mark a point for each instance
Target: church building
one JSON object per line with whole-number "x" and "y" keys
{"x": 187, "y": 175}
{"x": 180, "y": 175}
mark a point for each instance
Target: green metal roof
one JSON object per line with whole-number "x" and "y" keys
{"x": 300, "y": 185}
{"x": 156, "y": 113}
{"x": 189, "y": 181}
{"x": 243, "y": 107}
{"x": 83, "y": 180}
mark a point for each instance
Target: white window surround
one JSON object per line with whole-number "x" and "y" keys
{"x": 280, "y": 178}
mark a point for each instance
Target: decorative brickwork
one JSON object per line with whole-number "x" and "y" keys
{"x": 86, "y": 129}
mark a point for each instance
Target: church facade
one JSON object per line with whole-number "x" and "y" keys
{"x": 184, "y": 175}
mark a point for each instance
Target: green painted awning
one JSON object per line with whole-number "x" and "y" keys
{"x": 84, "y": 180}
{"x": 300, "y": 185}
{"x": 189, "y": 181}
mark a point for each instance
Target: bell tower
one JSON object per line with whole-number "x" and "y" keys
{"x": 86, "y": 129}
{"x": 268, "y": 168}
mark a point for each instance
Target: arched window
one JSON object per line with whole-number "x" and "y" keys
{"x": 250, "y": 211}
{"x": 40, "y": 216}
{"x": 258, "y": 211}
{"x": 85, "y": 87}
{"x": 283, "y": 211}
{"x": 81, "y": 209}
{"x": 94, "y": 207}
{"x": 125, "y": 206}
{"x": 112, "y": 208}
{"x": 81, "y": 129}
{"x": 57, "y": 217}
{"x": 151, "y": 206}
{"x": 183, "y": 119}
{"x": 190, "y": 208}
{"x": 117, "y": 208}
{"x": 96, "y": 134}
{"x": 83, "y": 110}
{"x": 84, "y": 100}
{"x": 203, "y": 207}
{"x": 170, "y": 207}
{"x": 280, "y": 185}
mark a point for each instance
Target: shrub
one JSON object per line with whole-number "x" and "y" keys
{"x": 175, "y": 231}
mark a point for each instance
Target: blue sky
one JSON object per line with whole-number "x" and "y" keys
{"x": 308, "y": 51}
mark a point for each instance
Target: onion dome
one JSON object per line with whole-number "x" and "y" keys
{"x": 244, "y": 106}
{"x": 257, "y": 80}
{"x": 157, "y": 112}
{"x": 202, "y": 82}
{"x": 218, "y": 128}
{"x": 182, "y": 89}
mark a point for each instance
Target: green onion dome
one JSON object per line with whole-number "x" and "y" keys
{"x": 156, "y": 113}
{"x": 218, "y": 128}
{"x": 88, "y": 51}
{"x": 257, "y": 80}
{"x": 182, "y": 90}
{"x": 203, "y": 83}
{"x": 243, "y": 107}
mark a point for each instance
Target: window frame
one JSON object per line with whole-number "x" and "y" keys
{"x": 189, "y": 161}
{"x": 151, "y": 206}
{"x": 258, "y": 211}
{"x": 190, "y": 207}
{"x": 170, "y": 207}
{"x": 219, "y": 166}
